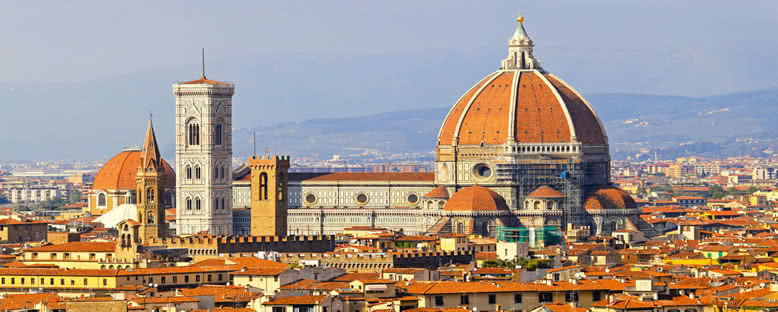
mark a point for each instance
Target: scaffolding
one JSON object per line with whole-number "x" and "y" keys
{"x": 544, "y": 236}
{"x": 566, "y": 175}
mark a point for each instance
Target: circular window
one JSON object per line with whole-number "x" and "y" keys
{"x": 482, "y": 171}
{"x": 310, "y": 198}
{"x": 362, "y": 198}
{"x": 413, "y": 198}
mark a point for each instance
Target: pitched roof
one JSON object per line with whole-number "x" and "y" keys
{"x": 306, "y": 300}
{"x": 221, "y": 293}
{"x": 375, "y": 176}
{"x": 76, "y": 247}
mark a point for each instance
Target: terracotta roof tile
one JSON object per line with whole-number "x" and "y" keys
{"x": 439, "y": 192}
{"x": 476, "y": 198}
{"x": 609, "y": 197}
{"x": 303, "y": 300}
{"x": 77, "y": 247}
{"x": 119, "y": 172}
{"x": 375, "y": 176}
{"x": 545, "y": 191}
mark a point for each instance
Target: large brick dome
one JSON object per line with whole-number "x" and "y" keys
{"x": 521, "y": 103}
{"x": 524, "y": 106}
{"x": 119, "y": 172}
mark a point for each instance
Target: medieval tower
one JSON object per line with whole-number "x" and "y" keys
{"x": 204, "y": 156}
{"x": 150, "y": 193}
{"x": 269, "y": 177}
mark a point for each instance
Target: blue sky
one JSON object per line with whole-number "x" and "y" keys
{"x": 297, "y": 60}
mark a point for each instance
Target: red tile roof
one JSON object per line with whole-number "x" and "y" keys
{"x": 545, "y": 191}
{"x": 77, "y": 247}
{"x": 439, "y": 192}
{"x": 475, "y": 198}
{"x": 119, "y": 172}
{"x": 302, "y": 300}
{"x": 371, "y": 176}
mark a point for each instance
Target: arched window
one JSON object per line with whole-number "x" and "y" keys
{"x": 150, "y": 217}
{"x": 188, "y": 203}
{"x": 197, "y": 203}
{"x": 537, "y": 205}
{"x": 262, "y": 186}
{"x": 101, "y": 199}
{"x": 197, "y": 172}
{"x": 150, "y": 195}
{"x": 216, "y": 203}
{"x": 188, "y": 172}
{"x": 460, "y": 228}
{"x": 217, "y": 135}
{"x": 485, "y": 229}
{"x": 223, "y": 170}
{"x": 222, "y": 201}
{"x": 194, "y": 134}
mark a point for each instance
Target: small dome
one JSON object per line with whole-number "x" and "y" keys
{"x": 119, "y": 172}
{"x": 545, "y": 191}
{"x": 609, "y": 197}
{"x": 438, "y": 192}
{"x": 475, "y": 198}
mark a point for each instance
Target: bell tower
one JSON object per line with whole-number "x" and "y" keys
{"x": 148, "y": 182}
{"x": 269, "y": 177}
{"x": 204, "y": 156}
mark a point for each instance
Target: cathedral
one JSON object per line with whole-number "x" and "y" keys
{"x": 521, "y": 149}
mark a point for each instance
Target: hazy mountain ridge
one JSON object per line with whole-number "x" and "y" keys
{"x": 95, "y": 119}
{"x": 702, "y": 125}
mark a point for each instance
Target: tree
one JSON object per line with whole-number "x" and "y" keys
{"x": 75, "y": 196}
{"x": 716, "y": 191}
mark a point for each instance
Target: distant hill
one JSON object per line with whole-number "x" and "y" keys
{"x": 730, "y": 124}
{"x": 94, "y": 120}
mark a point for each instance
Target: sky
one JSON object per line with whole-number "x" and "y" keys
{"x": 79, "y": 61}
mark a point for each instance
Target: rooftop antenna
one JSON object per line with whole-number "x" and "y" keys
{"x": 203, "y": 52}
{"x": 255, "y": 143}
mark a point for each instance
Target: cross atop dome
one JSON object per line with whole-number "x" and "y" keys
{"x": 520, "y": 50}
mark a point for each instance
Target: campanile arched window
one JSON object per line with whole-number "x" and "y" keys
{"x": 188, "y": 172}
{"x": 218, "y": 134}
{"x": 188, "y": 203}
{"x": 193, "y": 133}
{"x": 197, "y": 203}
{"x": 197, "y": 172}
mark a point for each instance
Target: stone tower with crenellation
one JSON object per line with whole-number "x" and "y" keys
{"x": 269, "y": 177}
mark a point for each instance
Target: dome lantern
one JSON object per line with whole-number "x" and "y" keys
{"x": 520, "y": 50}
